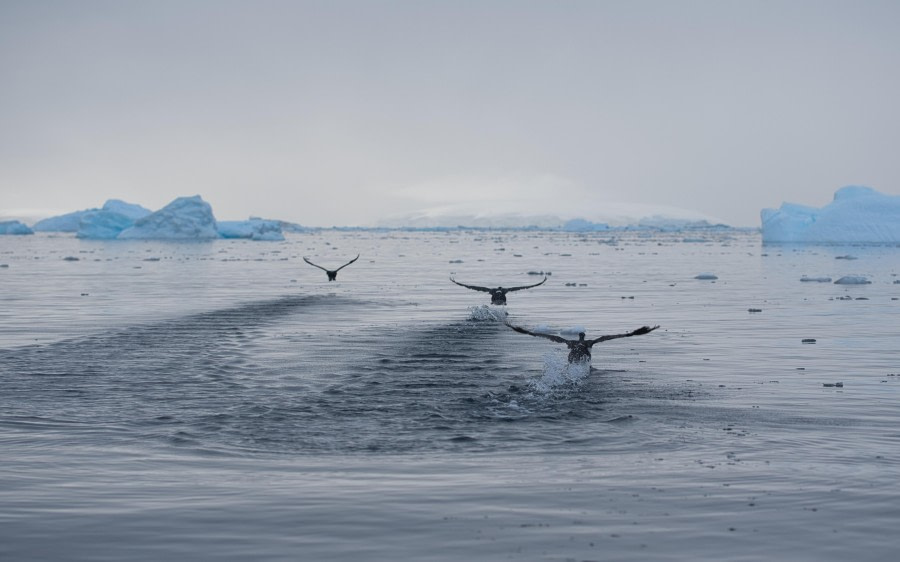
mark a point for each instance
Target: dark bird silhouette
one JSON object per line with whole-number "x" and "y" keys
{"x": 580, "y": 349}
{"x": 498, "y": 295}
{"x": 332, "y": 273}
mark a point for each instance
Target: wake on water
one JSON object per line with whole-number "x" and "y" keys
{"x": 558, "y": 380}
{"x": 558, "y": 373}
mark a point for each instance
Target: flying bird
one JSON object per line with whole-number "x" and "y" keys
{"x": 332, "y": 273}
{"x": 580, "y": 349}
{"x": 498, "y": 295}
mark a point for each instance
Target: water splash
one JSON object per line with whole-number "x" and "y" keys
{"x": 559, "y": 374}
{"x": 486, "y": 313}
{"x": 572, "y": 330}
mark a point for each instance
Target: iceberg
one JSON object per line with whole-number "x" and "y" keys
{"x": 130, "y": 210}
{"x": 108, "y": 222}
{"x": 14, "y": 227}
{"x": 62, "y": 223}
{"x": 254, "y": 229}
{"x": 102, "y": 225}
{"x": 71, "y": 222}
{"x": 857, "y": 215}
{"x": 185, "y": 218}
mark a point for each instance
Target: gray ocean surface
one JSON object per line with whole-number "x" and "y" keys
{"x": 224, "y": 401}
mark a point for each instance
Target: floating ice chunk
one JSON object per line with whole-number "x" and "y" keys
{"x": 185, "y": 218}
{"x": 806, "y": 279}
{"x": 852, "y": 280}
{"x": 856, "y": 215}
{"x": 254, "y": 229}
{"x": 706, "y": 277}
{"x": 14, "y": 227}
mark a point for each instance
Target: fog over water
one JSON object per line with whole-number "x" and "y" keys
{"x": 350, "y": 112}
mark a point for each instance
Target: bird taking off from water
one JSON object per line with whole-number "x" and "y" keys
{"x": 332, "y": 273}
{"x": 580, "y": 349}
{"x": 498, "y": 295}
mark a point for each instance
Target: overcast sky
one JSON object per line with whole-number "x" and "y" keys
{"x": 345, "y": 112}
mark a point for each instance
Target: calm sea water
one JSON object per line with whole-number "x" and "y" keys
{"x": 223, "y": 401}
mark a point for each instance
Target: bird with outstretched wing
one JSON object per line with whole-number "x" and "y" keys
{"x": 639, "y": 332}
{"x": 530, "y": 333}
{"x": 510, "y": 289}
{"x": 332, "y": 273}
{"x": 580, "y": 349}
{"x": 498, "y": 294}
{"x": 473, "y": 287}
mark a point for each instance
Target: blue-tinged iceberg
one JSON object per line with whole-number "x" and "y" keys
{"x": 185, "y": 218}
{"x": 63, "y": 223}
{"x": 108, "y": 222}
{"x": 14, "y": 227}
{"x": 71, "y": 222}
{"x": 130, "y": 210}
{"x": 102, "y": 225}
{"x": 858, "y": 215}
{"x": 254, "y": 229}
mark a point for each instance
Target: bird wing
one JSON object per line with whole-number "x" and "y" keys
{"x": 548, "y": 336}
{"x": 348, "y": 263}
{"x": 473, "y": 287}
{"x": 527, "y": 286}
{"x": 639, "y": 332}
{"x": 314, "y": 265}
